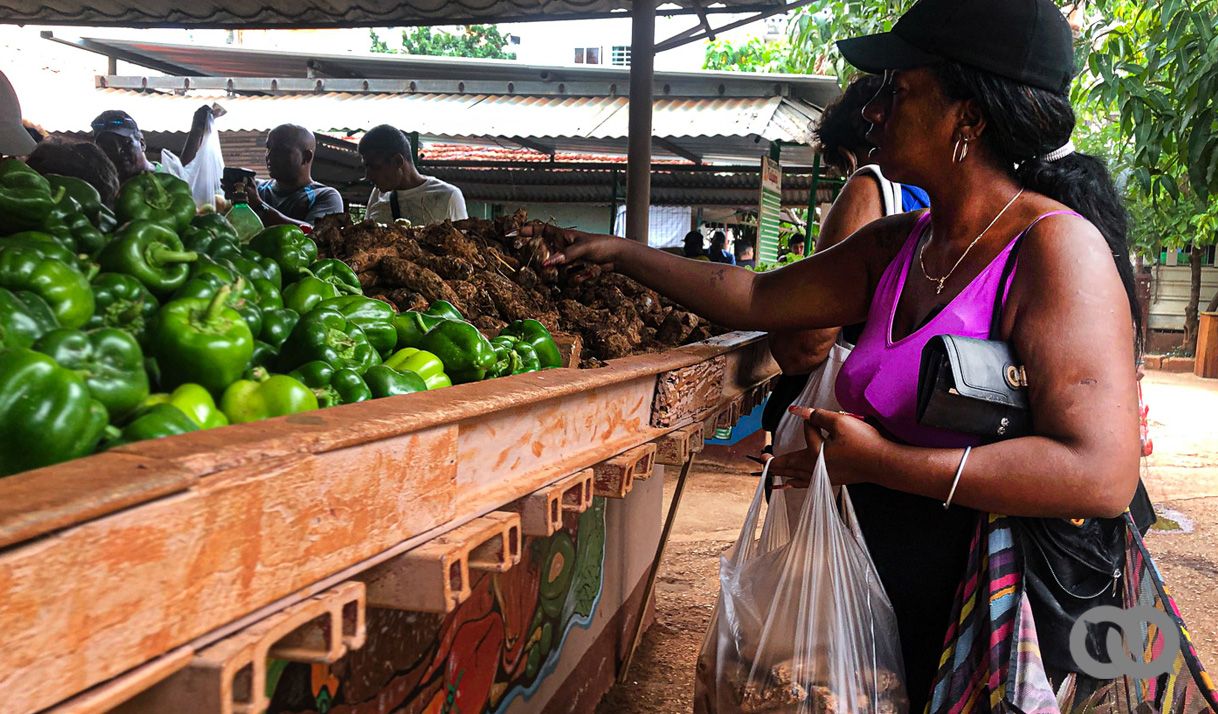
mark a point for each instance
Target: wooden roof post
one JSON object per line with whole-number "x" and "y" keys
{"x": 638, "y": 161}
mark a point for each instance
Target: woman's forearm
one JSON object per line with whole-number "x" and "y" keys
{"x": 1030, "y": 476}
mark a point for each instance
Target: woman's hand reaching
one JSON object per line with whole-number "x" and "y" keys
{"x": 565, "y": 246}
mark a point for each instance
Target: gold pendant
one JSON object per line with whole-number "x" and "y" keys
{"x": 939, "y": 290}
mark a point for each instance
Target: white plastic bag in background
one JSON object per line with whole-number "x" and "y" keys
{"x": 819, "y": 394}
{"x": 801, "y": 626}
{"x": 204, "y": 171}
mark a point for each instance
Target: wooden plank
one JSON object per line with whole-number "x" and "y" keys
{"x": 106, "y": 697}
{"x": 38, "y": 502}
{"x": 435, "y": 576}
{"x": 91, "y": 602}
{"x": 615, "y": 478}
{"x": 229, "y": 677}
{"x": 682, "y": 393}
{"x": 677, "y": 446}
{"x": 287, "y": 505}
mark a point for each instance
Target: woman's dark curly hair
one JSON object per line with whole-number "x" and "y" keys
{"x": 842, "y": 125}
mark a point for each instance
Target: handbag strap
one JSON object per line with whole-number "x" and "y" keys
{"x": 1008, "y": 269}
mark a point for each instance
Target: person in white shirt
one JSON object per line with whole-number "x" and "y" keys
{"x": 399, "y": 190}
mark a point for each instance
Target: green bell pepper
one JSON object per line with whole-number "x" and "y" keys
{"x": 264, "y": 356}
{"x": 332, "y": 386}
{"x": 46, "y": 413}
{"x": 388, "y": 382}
{"x": 289, "y": 247}
{"x": 82, "y": 192}
{"x": 250, "y": 264}
{"x": 465, "y": 352}
{"x": 122, "y": 301}
{"x": 72, "y": 227}
{"x": 535, "y": 335}
{"x": 26, "y": 198}
{"x": 24, "y": 317}
{"x": 338, "y": 274}
{"x": 208, "y": 230}
{"x": 410, "y": 328}
{"x": 109, "y": 360}
{"x": 47, "y": 244}
{"x": 201, "y": 341}
{"x": 326, "y": 334}
{"x": 63, "y": 287}
{"x": 277, "y": 325}
{"x": 513, "y": 356}
{"x": 269, "y": 297}
{"x": 156, "y": 197}
{"x": 195, "y": 402}
{"x": 207, "y": 277}
{"x": 424, "y": 364}
{"x": 444, "y": 310}
{"x": 307, "y": 293}
{"x": 375, "y": 318}
{"x": 151, "y": 253}
{"x": 266, "y": 396}
{"x": 158, "y": 422}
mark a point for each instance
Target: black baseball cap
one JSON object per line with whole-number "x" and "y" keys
{"x": 115, "y": 121}
{"x": 1025, "y": 40}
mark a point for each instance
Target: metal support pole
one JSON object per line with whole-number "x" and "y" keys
{"x": 812, "y": 203}
{"x": 638, "y": 153}
{"x": 650, "y": 587}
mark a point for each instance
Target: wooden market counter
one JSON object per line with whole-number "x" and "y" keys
{"x": 190, "y": 571}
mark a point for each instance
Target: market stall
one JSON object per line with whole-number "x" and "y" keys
{"x": 481, "y": 547}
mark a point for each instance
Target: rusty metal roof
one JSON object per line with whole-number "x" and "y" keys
{"x": 329, "y": 13}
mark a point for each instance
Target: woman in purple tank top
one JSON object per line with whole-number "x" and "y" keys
{"x": 975, "y": 110}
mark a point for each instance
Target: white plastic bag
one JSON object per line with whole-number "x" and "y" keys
{"x": 817, "y": 393}
{"x": 204, "y": 170}
{"x": 802, "y": 625}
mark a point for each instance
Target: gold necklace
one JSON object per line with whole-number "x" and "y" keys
{"x": 960, "y": 260}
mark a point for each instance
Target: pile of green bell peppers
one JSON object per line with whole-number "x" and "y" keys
{"x": 147, "y": 320}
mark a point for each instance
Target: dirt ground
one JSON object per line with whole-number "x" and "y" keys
{"x": 1181, "y": 476}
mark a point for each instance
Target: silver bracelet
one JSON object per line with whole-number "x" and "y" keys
{"x": 956, "y": 481}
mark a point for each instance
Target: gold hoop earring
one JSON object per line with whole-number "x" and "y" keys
{"x": 960, "y": 150}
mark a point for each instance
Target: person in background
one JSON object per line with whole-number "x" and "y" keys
{"x": 720, "y": 249}
{"x": 81, "y": 159}
{"x": 694, "y": 246}
{"x": 36, "y": 132}
{"x": 14, "y": 139}
{"x": 745, "y": 255}
{"x": 866, "y": 196}
{"x": 121, "y": 139}
{"x": 796, "y": 247}
{"x": 290, "y": 196}
{"x": 398, "y": 189}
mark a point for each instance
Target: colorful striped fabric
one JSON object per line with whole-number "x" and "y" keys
{"x": 991, "y": 658}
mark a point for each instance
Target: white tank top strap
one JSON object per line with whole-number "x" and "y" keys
{"x": 890, "y": 191}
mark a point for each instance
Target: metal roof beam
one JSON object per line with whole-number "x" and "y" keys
{"x": 673, "y": 147}
{"x": 684, "y": 38}
{"x": 114, "y": 53}
{"x": 713, "y": 88}
{"x": 320, "y": 68}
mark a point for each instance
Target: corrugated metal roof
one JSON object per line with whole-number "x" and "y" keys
{"x": 231, "y": 62}
{"x": 320, "y": 13}
{"x": 723, "y": 130}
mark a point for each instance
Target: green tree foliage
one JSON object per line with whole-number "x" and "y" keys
{"x": 1154, "y": 67}
{"x": 478, "y": 41}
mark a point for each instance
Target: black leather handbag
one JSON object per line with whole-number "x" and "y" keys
{"x": 1070, "y": 565}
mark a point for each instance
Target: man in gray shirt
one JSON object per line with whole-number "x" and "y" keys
{"x": 291, "y": 196}
{"x": 398, "y": 189}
